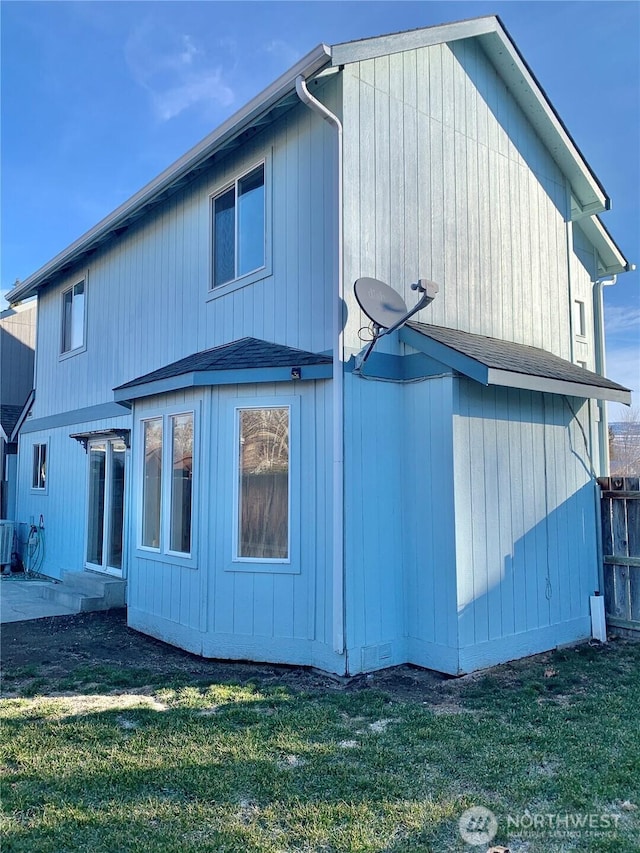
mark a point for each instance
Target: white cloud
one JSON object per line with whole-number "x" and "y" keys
{"x": 175, "y": 71}
{"x": 622, "y": 318}
{"x": 194, "y": 90}
{"x": 285, "y": 52}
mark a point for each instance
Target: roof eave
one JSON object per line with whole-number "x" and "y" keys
{"x": 235, "y": 124}
{"x": 611, "y": 259}
{"x": 23, "y": 415}
{"x": 532, "y": 98}
{"x": 563, "y": 387}
{"x": 486, "y": 375}
{"x": 213, "y": 377}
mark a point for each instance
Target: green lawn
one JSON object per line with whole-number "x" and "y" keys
{"x": 111, "y": 759}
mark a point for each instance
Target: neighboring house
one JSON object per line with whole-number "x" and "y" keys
{"x": 624, "y": 446}
{"x": 17, "y": 342}
{"x": 203, "y": 427}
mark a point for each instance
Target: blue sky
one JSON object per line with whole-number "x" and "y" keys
{"x": 99, "y": 97}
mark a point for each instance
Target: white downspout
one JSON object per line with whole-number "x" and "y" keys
{"x": 598, "y": 305}
{"x": 338, "y": 391}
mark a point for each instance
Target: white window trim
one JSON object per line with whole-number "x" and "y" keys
{"x": 580, "y": 320}
{"x": 290, "y": 565}
{"x": 83, "y": 348}
{"x": 216, "y": 291}
{"x": 163, "y": 553}
{"x": 104, "y": 568}
{"x": 40, "y": 490}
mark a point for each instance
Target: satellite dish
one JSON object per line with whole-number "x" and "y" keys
{"x": 380, "y": 303}
{"x": 387, "y": 309}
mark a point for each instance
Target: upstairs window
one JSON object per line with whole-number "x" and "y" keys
{"x": 73, "y": 301}
{"x": 239, "y": 227}
{"x": 39, "y": 470}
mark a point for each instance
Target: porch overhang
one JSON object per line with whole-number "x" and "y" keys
{"x": 491, "y": 361}
{"x": 95, "y": 435}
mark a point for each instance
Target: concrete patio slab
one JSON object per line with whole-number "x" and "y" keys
{"x": 21, "y": 600}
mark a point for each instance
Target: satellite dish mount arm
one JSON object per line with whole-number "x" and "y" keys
{"x": 428, "y": 291}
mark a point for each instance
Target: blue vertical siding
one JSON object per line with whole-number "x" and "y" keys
{"x": 374, "y": 495}
{"x": 150, "y": 286}
{"x": 399, "y": 524}
{"x": 223, "y": 610}
{"x": 526, "y": 546}
{"x": 63, "y": 504}
{"x": 446, "y": 179}
{"x": 429, "y": 525}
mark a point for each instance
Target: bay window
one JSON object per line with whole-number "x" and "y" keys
{"x": 167, "y": 483}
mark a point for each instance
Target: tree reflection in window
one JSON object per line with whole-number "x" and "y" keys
{"x": 152, "y": 488}
{"x": 263, "y": 522}
{"x": 181, "y": 482}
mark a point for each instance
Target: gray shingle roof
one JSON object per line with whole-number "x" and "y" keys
{"x": 244, "y": 354}
{"x": 516, "y": 358}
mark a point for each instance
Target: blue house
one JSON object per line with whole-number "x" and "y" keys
{"x": 204, "y": 428}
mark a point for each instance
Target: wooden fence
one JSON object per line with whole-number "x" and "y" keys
{"x": 620, "y": 507}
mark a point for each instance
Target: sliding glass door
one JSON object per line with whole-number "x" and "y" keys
{"x": 105, "y": 515}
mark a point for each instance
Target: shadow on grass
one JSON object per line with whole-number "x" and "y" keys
{"x": 136, "y": 758}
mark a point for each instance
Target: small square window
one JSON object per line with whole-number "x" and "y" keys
{"x": 239, "y": 228}
{"x": 39, "y": 470}
{"x": 73, "y": 302}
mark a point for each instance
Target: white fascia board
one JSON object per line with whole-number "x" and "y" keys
{"x": 308, "y": 65}
{"x": 371, "y": 48}
{"x": 611, "y": 258}
{"x": 508, "y": 379}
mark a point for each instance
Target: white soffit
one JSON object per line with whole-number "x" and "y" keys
{"x": 611, "y": 259}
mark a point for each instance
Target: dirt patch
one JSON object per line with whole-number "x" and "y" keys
{"x": 53, "y": 649}
{"x": 56, "y": 648}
